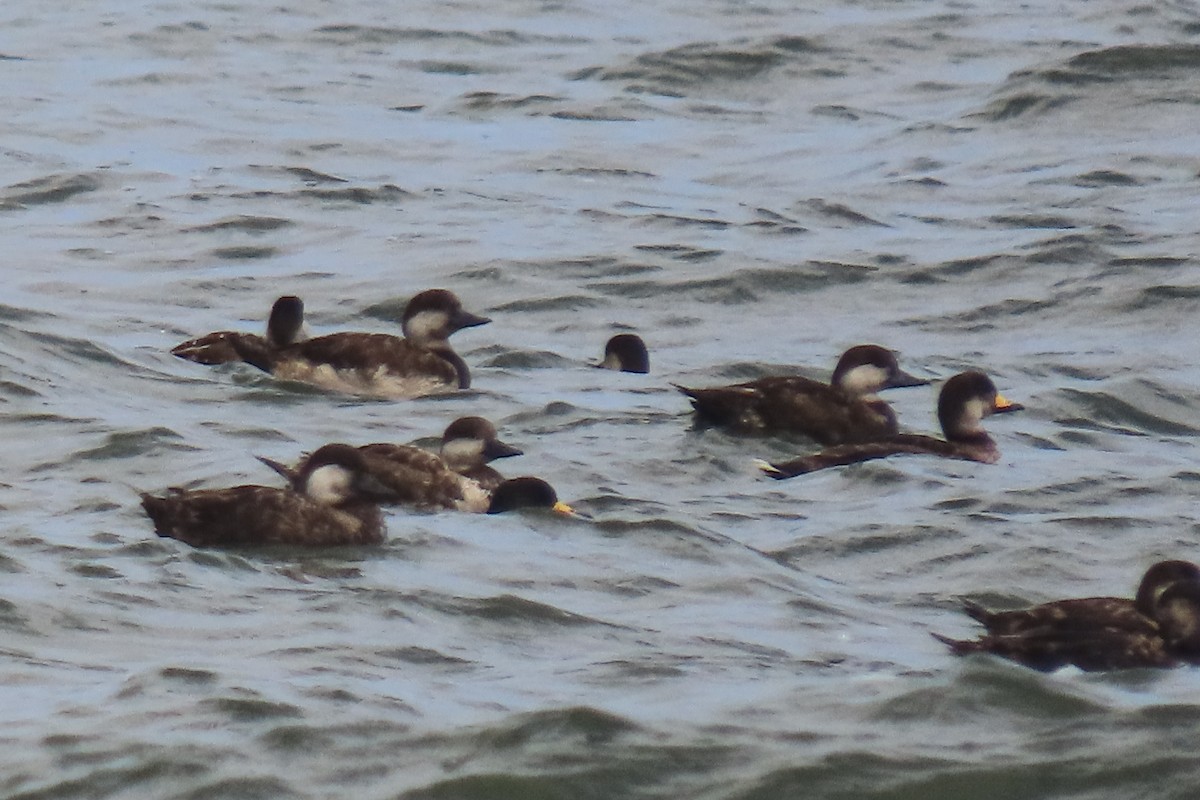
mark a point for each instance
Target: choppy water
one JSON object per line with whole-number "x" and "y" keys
{"x": 750, "y": 186}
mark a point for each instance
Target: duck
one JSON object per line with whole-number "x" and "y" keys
{"x": 1135, "y": 614}
{"x": 845, "y": 410}
{"x": 626, "y": 352}
{"x": 420, "y": 363}
{"x": 285, "y": 325}
{"x": 334, "y": 502}
{"x": 964, "y": 401}
{"x": 1160, "y": 627}
{"x": 458, "y": 479}
{"x": 469, "y": 444}
{"x": 527, "y": 492}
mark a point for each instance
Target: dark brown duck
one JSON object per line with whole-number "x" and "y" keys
{"x": 458, "y": 479}
{"x": 285, "y": 325}
{"x": 334, "y": 504}
{"x": 1160, "y": 627}
{"x": 1136, "y": 614}
{"x": 841, "y": 411}
{"x": 963, "y": 403}
{"x": 421, "y": 362}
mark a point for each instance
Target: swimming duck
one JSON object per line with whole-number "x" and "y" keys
{"x": 458, "y": 479}
{"x": 469, "y": 443}
{"x": 963, "y": 402}
{"x": 1159, "y": 628}
{"x": 1091, "y": 612}
{"x": 626, "y": 352}
{"x": 526, "y": 492}
{"x": 284, "y": 326}
{"x": 842, "y": 411}
{"x": 333, "y": 504}
{"x": 380, "y": 364}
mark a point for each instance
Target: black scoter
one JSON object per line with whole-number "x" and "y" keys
{"x": 1158, "y": 628}
{"x": 626, "y": 352}
{"x": 842, "y": 411}
{"x": 964, "y": 401}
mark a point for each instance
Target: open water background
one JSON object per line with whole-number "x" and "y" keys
{"x": 753, "y": 187}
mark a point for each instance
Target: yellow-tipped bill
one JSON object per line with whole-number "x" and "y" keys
{"x": 1003, "y": 404}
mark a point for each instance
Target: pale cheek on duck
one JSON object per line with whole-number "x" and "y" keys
{"x": 463, "y": 451}
{"x": 328, "y": 485}
{"x": 426, "y": 326}
{"x": 865, "y": 379}
{"x": 972, "y": 412}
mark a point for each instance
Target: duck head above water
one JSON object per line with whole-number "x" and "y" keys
{"x": 965, "y": 400}
{"x": 471, "y": 441}
{"x": 869, "y": 368}
{"x": 526, "y": 492}
{"x": 433, "y": 315}
{"x": 626, "y": 352}
{"x": 286, "y": 323}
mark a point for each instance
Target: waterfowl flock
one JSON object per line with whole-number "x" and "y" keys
{"x": 333, "y": 495}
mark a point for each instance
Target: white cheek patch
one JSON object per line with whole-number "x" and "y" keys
{"x": 328, "y": 485}
{"x": 426, "y": 326}
{"x": 463, "y": 451}
{"x": 972, "y": 413}
{"x": 864, "y": 379}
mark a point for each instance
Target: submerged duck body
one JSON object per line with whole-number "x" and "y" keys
{"x": 285, "y": 326}
{"x": 626, "y": 352}
{"x": 458, "y": 479}
{"x": 964, "y": 401}
{"x": 421, "y": 362}
{"x": 333, "y": 505}
{"x": 1160, "y": 627}
{"x": 842, "y": 411}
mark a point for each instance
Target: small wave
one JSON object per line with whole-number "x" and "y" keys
{"x": 1143, "y": 408}
{"x": 682, "y": 70}
{"x": 490, "y": 102}
{"x": 1106, "y": 75}
{"x": 244, "y": 222}
{"x": 47, "y": 190}
{"x": 358, "y": 195}
{"x": 513, "y": 609}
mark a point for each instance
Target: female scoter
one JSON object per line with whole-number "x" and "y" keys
{"x": 626, "y": 352}
{"x": 1091, "y": 612}
{"x": 469, "y": 443}
{"x": 459, "y": 478}
{"x": 843, "y": 411}
{"x": 379, "y": 364}
{"x": 1159, "y": 628}
{"x": 284, "y": 326}
{"x": 333, "y": 504}
{"x": 963, "y": 402}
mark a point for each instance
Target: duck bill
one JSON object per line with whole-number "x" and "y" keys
{"x": 562, "y": 508}
{"x": 465, "y": 319}
{"x": 901, "y": 379}
{"x": 1003, "y": 404}
{"x": 498, "y": 449}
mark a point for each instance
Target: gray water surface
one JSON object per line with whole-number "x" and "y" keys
{"x": 751, "y": 187}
